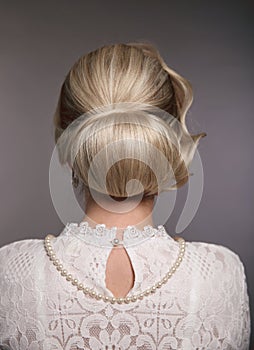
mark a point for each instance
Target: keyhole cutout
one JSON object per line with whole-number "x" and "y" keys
{"x": 120, "y": 275}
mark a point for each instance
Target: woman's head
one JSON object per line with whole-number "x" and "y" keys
{"x": 124, "y": 74}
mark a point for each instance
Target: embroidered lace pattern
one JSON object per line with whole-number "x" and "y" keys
{"x": 205, "y": 305}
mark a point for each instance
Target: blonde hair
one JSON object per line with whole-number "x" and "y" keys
{"x": 123, "y": 74}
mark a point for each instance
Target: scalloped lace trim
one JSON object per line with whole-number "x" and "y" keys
{"x": 103, "y": 236}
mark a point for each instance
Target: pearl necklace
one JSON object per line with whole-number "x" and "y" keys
{"x": 112, "y": 300}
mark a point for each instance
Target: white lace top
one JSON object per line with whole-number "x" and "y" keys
{"x": 204, "y": 305}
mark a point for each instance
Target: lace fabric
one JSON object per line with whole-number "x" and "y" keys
{"x": 102, "y": 236}
{"x": 205, "y": 305}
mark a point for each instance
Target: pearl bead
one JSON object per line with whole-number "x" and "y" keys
{"x": 60, "y": 267}
{"x": 69, "y": 277}
{"x": 75, "y": 282}
{"x": 80, "y": 286}
{"x": 64, "y": 272}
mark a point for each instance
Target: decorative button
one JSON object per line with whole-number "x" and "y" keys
{"x": 115, "y": 241}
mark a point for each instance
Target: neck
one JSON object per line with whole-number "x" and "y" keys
{"x": 110, "y": 212}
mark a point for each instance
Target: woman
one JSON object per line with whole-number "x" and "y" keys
{"x": 115, "y": 280}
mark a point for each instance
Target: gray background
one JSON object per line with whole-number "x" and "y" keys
{"x": 208, "y": 43}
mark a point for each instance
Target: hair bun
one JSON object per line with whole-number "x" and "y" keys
{"x": 144, "y": 149}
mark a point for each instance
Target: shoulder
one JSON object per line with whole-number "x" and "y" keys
{"x": 216, "y": 261}
{"x": 223, "y": 268}
{"x": 223, "y": 271}
{"x": 219, "y": 252}
{"x": 19, "y": 245}
{"x": 21, "y": 251}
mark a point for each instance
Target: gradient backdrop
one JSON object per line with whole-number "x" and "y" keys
{"x": 211, "y": 44}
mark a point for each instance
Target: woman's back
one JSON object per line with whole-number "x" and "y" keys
{"x": 120, "y": 127}
{"x": 203, "y": 305}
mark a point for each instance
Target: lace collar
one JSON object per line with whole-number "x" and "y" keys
{"x": 104, "y": 236}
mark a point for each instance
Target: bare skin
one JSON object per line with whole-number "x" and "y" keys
{"x": 120, "y": 275}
